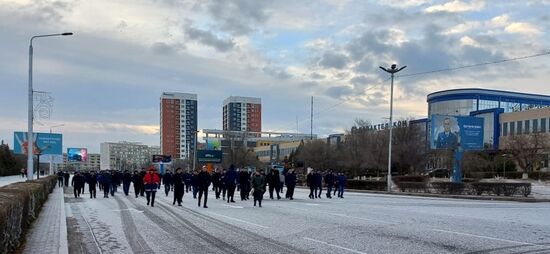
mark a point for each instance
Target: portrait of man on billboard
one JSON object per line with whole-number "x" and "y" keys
{"x": 447, "y": 139}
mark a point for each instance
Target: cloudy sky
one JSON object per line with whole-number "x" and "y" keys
{"x": 107, "y": 79}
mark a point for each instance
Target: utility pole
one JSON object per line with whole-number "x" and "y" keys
{"x": 391, "y": 71}
{"x": 311, "y": 120}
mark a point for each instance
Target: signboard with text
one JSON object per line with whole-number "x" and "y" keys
{"x": 456, "y": 132}
{"x": 209, "y": 156}
{"x": 44, "y": 143}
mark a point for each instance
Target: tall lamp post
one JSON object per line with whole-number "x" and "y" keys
{"x": 195, "y": 149}
{"x": 51, "y": 157}
{"x": 30, "y": 143}
{"x": 392, "y": 72}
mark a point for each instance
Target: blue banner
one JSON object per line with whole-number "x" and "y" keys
{"x": 456, "y": 132}
{"x": 44, "y": 143}
{"x": 209, "y": 156}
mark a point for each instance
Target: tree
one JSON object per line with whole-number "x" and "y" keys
{"x": 317, "y": 154}
{"x": 8, "y": 163}
{"x": 408, "y": 150}
{"x": 527, "y": 150}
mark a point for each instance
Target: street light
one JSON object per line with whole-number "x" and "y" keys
{"x": 195, "y": 149}
{"x": 51, "y": 157}
{"x": 30, "y": 143}
{"x": 391, "y": 71}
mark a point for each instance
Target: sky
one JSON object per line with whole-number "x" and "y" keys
{"x": 106, "y": 79}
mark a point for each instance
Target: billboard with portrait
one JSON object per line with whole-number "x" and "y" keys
{"x": 77, "y": 154}
{"x": 456, "y": 132}
{"x": 44, "y": 143}
{"x": 213, "y": 144}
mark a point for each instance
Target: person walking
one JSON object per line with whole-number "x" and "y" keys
{"x": 231, "y": 183}
{"x": 126, "y": 180}
{"x": 66, "y": 177}
{"x": 60, "y": 178}
{"x": 142, "y": 173}
{"x": 92, "y": 183}
{"x": 258, "y": 187}
{"x": 179, "y": 186}
{"x": 151, "y": 181}
{"x": 318, "y": 184}
{"x": 273, "y": 181}
{"x": 309, "y": 182}
{"x": 106, "y": 181}
{"x": 341, "y": 184}
{"x": 222, "y": 183}
{"x": 203, "y": 181}
{"x": 167, "y": 181}
{"x": 329, "y": 181}
{"x": 281, "y": 181}
{"x": 114, "y": 182}
{"x": 244, "y": 184}
{"x": 77, "y": 183}
{"x": 194, "y": 183}
{"x": 216, "y": 182}
{"x": 187, "y": 180}
{"x": 290, "y": 181}
{"x": 137, "y": 180}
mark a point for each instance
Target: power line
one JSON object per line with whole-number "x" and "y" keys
{"x": 475, "y": 65}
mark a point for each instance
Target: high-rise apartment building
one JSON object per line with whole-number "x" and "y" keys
{"x": 178, "y": 124}
{"x": 242, "y": 114}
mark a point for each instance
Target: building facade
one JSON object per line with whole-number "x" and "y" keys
{"x": 126, "y": 155}
{"x": 242, "y": 114}
{"x": 93, "y": 164}
{"x": 178, "y": 124}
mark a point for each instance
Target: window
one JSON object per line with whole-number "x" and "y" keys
{"x": 505, "y": 129}
{"x": 535, "y": 125}
{"x": 527, "y": 126}
{"x": 543, "y": 125}
{"x": 520, "y": 127}
{"x": 512, "y": 128}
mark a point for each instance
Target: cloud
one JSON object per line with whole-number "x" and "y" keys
{"x": 339, "y": 91}
{"x": 457, "y": 6}
{"x": 208, "y": 38}
{"x": 333, "y": 60}
{"x": 238, "y": 17}
{"x": 163, "y": 48}
{"x": 276, "y": 73}
{"x": 522, "y": 28}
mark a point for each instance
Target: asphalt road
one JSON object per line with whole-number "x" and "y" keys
{"x": 360, "y": 223}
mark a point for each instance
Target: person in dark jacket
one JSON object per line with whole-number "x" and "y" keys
{"x": 244, "y": 183}
{"x": 66, "y": 176}
{"x": 318, "y": 184}
{"x": 309, "y": 182}
{"x": 126, "y": 180}
{"x": 60, "y": 178}
{"x": 273, "y": 181}
{"x": 179, "y": 186}
{"x": 194, "y": 183}
{"x": 203, "y": 182}
{"x": 151, "y": 181}
{"x": 223, "y": 186}
{"x": 106, "y": 181}
{"x": 329, "y": 181}
{"x": 91, "y": 179}
{"x": 137, "y": 180}
{"x": 116, "y": 180}
{"x": 142, "y": 173}
{"x": 187, "y": 180}
{"x": 258, "y": 187}
{"x": 341, "y": 184}
{"x": 77, "y": 183}
{"x": 167, "y": 181}
{"x": 290, "y": 181}
{"x": 231, "y": 183}
{"x": 216, "y": 182}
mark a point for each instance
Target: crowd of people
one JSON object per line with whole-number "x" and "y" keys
{"x": 224, "y": 182}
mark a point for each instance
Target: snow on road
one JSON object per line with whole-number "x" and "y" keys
{"x": 360, "y": 223}
{"x": 5, "y": 180}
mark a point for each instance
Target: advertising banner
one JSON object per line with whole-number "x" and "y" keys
{"x": 209, "y": 156}
{"x": 77, "y": 154}
{"x": 44, "y": 143}
{"x": 456, "y": 132}
{"x": 159, "y": 158}
{"x": 213, "y": 144}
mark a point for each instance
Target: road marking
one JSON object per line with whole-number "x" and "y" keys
{"x": 128, "y": 209}
{"x": 312, "y": 204}
{"x": 488, "y": 237}
{"x": 234, "y": 206}
{"x": 360, "y": 218}
{"x": 239, "y": 220}
{"x": 334, "y": 245}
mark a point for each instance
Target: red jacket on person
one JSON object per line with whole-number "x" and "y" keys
{"x": 151, "y": 178}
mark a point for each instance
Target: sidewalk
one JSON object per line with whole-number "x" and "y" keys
{"x": 48, "y": 234}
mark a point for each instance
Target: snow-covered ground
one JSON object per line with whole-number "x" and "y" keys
{"x": 360, "y": 223}
{"x": 5, "y": 180}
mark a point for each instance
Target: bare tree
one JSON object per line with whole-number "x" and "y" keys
{"x": 527, "y": 150}
{"x": 317, "y": 154}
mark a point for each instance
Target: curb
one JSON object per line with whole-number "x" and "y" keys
{"x": 63, "y": 238}
{"x": 468, "y": 197}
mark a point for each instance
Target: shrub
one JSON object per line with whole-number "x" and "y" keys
{"x": 448, "y": 187}
{"x": 417, "y": 179}
{"x": 506, "y": 189}
{"x": 540, "y": 175}
{"x": 412, "y": 186}
{"x": 366, "y": 185}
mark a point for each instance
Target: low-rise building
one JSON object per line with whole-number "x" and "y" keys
{"x": 126, "y": 155}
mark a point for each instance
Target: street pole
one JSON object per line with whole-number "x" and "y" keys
{"x": 30, "y": 143}
{"x": 51, "y": 157}
{"x": 392, "y": 71}
{"x": 195, "y": 150}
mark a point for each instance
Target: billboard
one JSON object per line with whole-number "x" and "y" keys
{"x": 158, "y": 158}
{"x": 213, "y": 144}
{"x": 77, "y": 155}
{"x": 456, "y": 132}
{"x": 209, "y": 156}
{"x": 44, "y": 143}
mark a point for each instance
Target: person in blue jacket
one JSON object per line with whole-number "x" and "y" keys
{"x": 187, "y": 180}
{"x": 106, "y": 181}
{"x": 231, "y": 179}
{"x": 318, "y": 184}
{"x": 341, "y": 184}
{"x": 329, "y": 181}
